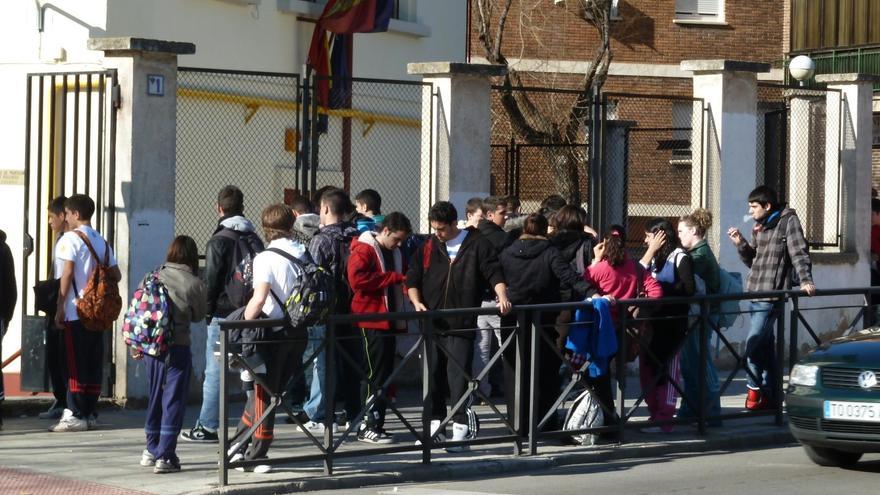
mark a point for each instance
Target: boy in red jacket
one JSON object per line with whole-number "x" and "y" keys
{"x": 375, "y": 274}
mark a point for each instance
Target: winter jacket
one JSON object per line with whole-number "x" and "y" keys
{"x": 536, "y": 273}
{"x": 569, "y": 243}
{"x": 330, "y": 248}
{"x": 594, "y": 336}
{"x": 305, "y": 227}
{"x": 187, "y": 294}
{"x": 371, "y": 280}
{"x": 494, "y": 234}
{"x": 220, "y": 264}
{"x": 706, "y": 266}
{"x": 459, "y": 284}
{"x": 8, "y": 287}
{"x": 766, "y": 253}
{"x": 622, "y": 281}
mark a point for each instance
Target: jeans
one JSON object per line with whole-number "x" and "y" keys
{"x": 760, "y": 346}
{"x": 488, "y": 325}
{"x": 209, "y": 415}
{"x": 690, "y": 373}
{"x": 314, "y": 407}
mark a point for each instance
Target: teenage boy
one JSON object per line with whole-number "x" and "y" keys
{"x": 56, "y": 362}
{"x": 330, "y": 248}
{"x": 452, "y": 270}
{"x": 85, "y": 348}
{"x": 375, "y": 274}
{"x": 275, "y": 278}
{"x": 220, "y": 261}
{"x": 778, "y": 247}
{"x": 473, "y": 212}
{"x": 369, "y": 204}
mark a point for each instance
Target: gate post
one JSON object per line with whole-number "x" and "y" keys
{"x": 143, "y": 182}
{"x": 457, "y": 148}
{"x": 729, "y": 90}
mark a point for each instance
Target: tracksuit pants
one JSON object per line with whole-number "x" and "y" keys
{"x": 56, "y": 362}
{"x": 169, "y": 385}
{"x": 85, "y": 367}
{"x": 447, "y": 378}
{"x": 380, "y": 347}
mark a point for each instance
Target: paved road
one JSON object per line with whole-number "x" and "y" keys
{"x": 779, "y": 471}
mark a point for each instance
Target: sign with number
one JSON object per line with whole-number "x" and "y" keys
{"x": 155, "y": 85}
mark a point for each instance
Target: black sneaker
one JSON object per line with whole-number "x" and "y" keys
{"x": 199, "y": 434}
{"x": 369, "y": 435}
{"x": 164, "y": 466}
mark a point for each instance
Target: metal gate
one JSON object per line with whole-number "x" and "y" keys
{"x": 70, "y": 141}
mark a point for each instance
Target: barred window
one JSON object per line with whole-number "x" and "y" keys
{"x": 699, "y": 10}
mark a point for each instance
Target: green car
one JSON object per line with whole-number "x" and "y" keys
{"x": 833, "y": 399}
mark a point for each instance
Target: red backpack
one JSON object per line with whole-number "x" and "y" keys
{"x": 100, "y": 303}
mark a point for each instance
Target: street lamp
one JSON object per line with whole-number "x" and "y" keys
{"x": 802, "y": 68}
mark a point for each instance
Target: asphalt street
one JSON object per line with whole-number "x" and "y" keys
{"x": 777, "y": 471}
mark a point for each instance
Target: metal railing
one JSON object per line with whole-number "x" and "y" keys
{"x": 524, "y": 330}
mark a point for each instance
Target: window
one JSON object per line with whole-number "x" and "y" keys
{"x": 699, "y": 10}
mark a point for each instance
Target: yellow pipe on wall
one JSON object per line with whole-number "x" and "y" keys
{"x": 366, "y": 117}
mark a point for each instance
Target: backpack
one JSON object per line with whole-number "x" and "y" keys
{"x": 100, "y": 303}
{"x": 313, "y": 298}
{"x": 343, "y": 291}
{"x": 240, "y": 284}
{"x": 585, "y": 412}
{"x": 728, "y": 283}
{"x": 148, "y": 325}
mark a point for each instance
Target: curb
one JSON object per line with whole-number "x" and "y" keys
{"x": 455, "y": 470}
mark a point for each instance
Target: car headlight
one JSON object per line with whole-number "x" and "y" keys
{"x": 804, "y": 374}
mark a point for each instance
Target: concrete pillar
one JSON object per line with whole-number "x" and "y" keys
{"x": 455, "y": 154}
{"x": 146, "y": 140}
{"x": 728, "y": 89}
{"x": 850, "y": 135}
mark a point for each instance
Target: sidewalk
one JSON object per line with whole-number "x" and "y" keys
{"x": 109, "y": 455}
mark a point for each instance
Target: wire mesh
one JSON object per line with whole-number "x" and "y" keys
{"x": 236, "y": 128}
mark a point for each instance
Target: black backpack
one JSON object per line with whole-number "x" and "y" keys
{"x": 343, "y": 291}
{"x": 240, "y": 284}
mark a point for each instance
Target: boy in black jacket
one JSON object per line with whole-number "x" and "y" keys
{"x": 8, "y": 298}
{"x": 452, "y": 270}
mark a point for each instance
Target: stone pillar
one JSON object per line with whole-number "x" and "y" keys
{"x": 146, "y": 139}
{"x": 455, "y": 154}
{"x": 729, "y": 92}
{"x": 850, "y": 135}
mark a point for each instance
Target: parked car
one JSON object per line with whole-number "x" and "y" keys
{"x": 833, "y": 399}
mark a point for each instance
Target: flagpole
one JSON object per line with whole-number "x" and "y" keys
{"x": 306, "y": 130}
{"x": 346, "y": 122}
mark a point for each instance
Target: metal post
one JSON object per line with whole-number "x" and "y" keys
{"x": 329, "y": 394}
{"x": 793, "y": 332}
{"x": 224, "y": 404}
{"x": 427, "y": 357}
{"x": 621, "y": 375}
{"x": 703, "y": 363}
{"x": 522, "y": 322}
{"x": 305, "y": 159}
{"x": 534, "y": 362}
{"x": 594, "y": 177}
{"x": 780, "y": 355}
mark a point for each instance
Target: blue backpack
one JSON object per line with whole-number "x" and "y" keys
{"x": 728, "y": 283}
{"x": 148, "y": 322}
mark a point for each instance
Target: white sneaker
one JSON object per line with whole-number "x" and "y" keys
{"x": 439, "y": 436}
{"x": 147, "y": 459}
{"x": 459, "y": 434}
{"x": 315, "y": 428}
{"x": 69, "y": 422}
{"x": 258, "y": 469}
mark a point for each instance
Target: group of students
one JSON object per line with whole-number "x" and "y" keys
{"x": 494, "y": 258}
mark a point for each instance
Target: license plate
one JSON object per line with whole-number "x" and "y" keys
{"x": 852, "y": 411}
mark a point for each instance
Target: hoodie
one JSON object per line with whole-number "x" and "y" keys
{"x": 8, "y": 287}
{"x": 370, "y": 281}
{"x": 220, "y": 262}
{"x": 305, "y": 227}
{"x": 537, "y": 274}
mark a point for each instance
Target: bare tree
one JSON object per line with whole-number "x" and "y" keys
{"x": 537, "y": 122}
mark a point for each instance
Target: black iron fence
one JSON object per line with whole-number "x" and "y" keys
{"x": 527, "y": 344}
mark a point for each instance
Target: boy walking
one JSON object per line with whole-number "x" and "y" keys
{"x": 452, "y": 270}
{"x": 233, "y": 238}
{"x": 375, "y": 273}
{"x": 778, "y": 249}
{"x": 78, "y": 249}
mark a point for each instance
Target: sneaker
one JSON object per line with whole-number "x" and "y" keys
{"x": 147, "y": 459}
{"x": 439, "y": 436}
{"x": 69, "y": 422}
{"x": 53, "y": 412}
{"x": 315, "y": 428}
{"x": 199, "y": 434}
{"x": 753, "y": 399}
{"x": 258, "y": 469}
{"x": 92, "y": 421}
{"x": 301, "y": 416}
{"x": 459, "y": 434}
{"x": 370, "y": 435}
{"x": 163, "y": 466}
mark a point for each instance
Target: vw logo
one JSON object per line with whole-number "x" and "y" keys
{"x": 867, "y": 379}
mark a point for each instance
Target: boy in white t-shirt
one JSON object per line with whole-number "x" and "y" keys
{"x": 85, "y": 348}
{"x": 275, "y": 278}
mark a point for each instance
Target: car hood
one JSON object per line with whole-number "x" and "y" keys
{"x": 859, "y": 349}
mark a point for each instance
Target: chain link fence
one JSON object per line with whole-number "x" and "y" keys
{"x": 233, "y": 127}
{"x": 371, "y": 138}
